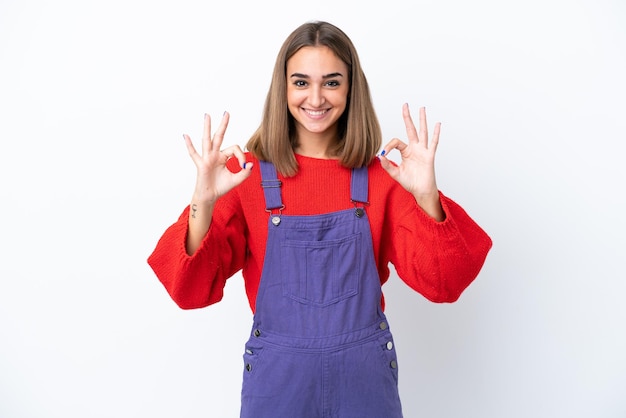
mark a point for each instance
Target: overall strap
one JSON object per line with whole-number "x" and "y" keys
{"x": 358, "y": 185}
{"x": 271, "y": 186}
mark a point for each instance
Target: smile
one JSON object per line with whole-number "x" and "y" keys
{"x": 315, "y": 112}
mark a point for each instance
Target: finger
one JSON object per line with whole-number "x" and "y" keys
{"x": 241, "y": 157}
{"x": 235, "y": 151}
{"x": 241, "y": 175}
{"x": 218, "y": 138}
{"x": 390, "y": 168}
{"x": 190, "y": 148}
{"x": 411, "y": 132}
{"x": 206, "y": 135}
{"x": 246, "y": 167}
{"x": 435, "y": 141}
{"x": 393, "y": 144}
{"x": 423, "y": 133}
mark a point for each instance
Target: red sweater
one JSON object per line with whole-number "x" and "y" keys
{"x": 437, "y": 259}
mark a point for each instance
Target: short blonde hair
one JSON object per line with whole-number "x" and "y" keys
{"x": 360, "y": 135}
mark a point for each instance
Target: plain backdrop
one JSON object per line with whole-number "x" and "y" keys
{"x": 95, "y": 97}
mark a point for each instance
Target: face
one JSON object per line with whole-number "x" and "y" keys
{"x": 317, "y": 91}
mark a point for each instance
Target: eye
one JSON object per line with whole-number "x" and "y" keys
{"x": 300, "y": 83}
{"x": 333, "y": 83}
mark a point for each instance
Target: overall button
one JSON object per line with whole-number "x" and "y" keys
{"x": 257, "y": 333}
{"x": 359, "y": 212}
{"x": 389, "y": 345}
{"x": 383, "y": 325}
{"x": 276, "y": 220}
{"x": 248, "y": 351}
{"x": 393, "y": 364}
{"x": 248, "y": 367}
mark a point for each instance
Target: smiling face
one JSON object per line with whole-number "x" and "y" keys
{"x": 317, "y": 93}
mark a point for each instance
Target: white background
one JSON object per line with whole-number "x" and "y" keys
{"x": 95, "y": 97}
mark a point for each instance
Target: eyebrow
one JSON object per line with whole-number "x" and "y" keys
{"x": 331, "y": 75}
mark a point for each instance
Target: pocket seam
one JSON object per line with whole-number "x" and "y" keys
{"x": 352, "y": 240}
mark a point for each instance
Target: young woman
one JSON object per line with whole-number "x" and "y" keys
{"x": 313, "y": 218}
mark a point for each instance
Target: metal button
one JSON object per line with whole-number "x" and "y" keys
{"x": 276, "y": 220}
{"x": 248, "y": 351}
{"x": 393, "y": 364}
{"x": 257, "y": 333}
{"x": 389, "y": 345}
{"x": 383, "y": 325}
{"x": 359, "y": 212}
{"x": 248, "y": 367}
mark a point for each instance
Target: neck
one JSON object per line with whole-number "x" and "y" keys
{"x": 316, "y": 145}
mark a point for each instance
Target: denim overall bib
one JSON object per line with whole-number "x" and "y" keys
{"x": 320, "y": 345}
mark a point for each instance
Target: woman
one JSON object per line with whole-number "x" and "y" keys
{"x": 313, "y": 219}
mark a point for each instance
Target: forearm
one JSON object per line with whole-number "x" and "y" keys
{"x": 200, "y": 215}
{"x": 431, "y": 205}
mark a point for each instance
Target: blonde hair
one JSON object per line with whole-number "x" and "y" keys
{"x": 359, "y": 132}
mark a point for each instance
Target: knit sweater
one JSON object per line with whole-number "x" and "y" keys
{"x": 437, "y": 259}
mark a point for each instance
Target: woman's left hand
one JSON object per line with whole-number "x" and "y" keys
{"x": 416, "y": 172}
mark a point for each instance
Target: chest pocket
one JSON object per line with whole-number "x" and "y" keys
{"x": 322, "y": 272}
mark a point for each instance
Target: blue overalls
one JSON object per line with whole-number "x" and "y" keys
{"x": 320, "y": 345}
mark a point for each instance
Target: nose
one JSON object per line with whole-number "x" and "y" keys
{"x": 316, "y": 97}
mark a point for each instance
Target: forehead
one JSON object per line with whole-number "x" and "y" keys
{"x": 312, "y": 60}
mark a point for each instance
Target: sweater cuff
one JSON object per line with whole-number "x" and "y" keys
{"x": 425, "y": 217}
{"x": 204, "y": 244}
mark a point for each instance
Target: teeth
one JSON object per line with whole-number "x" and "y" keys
{"x": 316, "y": 112}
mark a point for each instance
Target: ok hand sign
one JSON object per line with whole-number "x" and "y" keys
{"x": 416, "y": 172}
{"x": 214, "y": 179}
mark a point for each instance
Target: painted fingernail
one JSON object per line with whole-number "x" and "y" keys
{"x": 244, "y": 165}
{"x": 383, "y": 152}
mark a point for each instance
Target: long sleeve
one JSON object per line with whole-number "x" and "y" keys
{"x": 438, "y": 259}
{"x": 198, "y": 280}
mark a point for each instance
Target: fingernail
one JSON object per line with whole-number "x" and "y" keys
{"x": 244, "y": 165}
{"x": 383, "y": 152}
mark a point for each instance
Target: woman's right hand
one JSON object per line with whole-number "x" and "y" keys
{"x": 213, "y": 179}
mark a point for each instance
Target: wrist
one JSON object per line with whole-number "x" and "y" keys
{"x": 203, "y": 198}
{"x": 430, "y": 203}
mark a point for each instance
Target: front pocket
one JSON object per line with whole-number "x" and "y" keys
{"x": 320, "y": 272}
